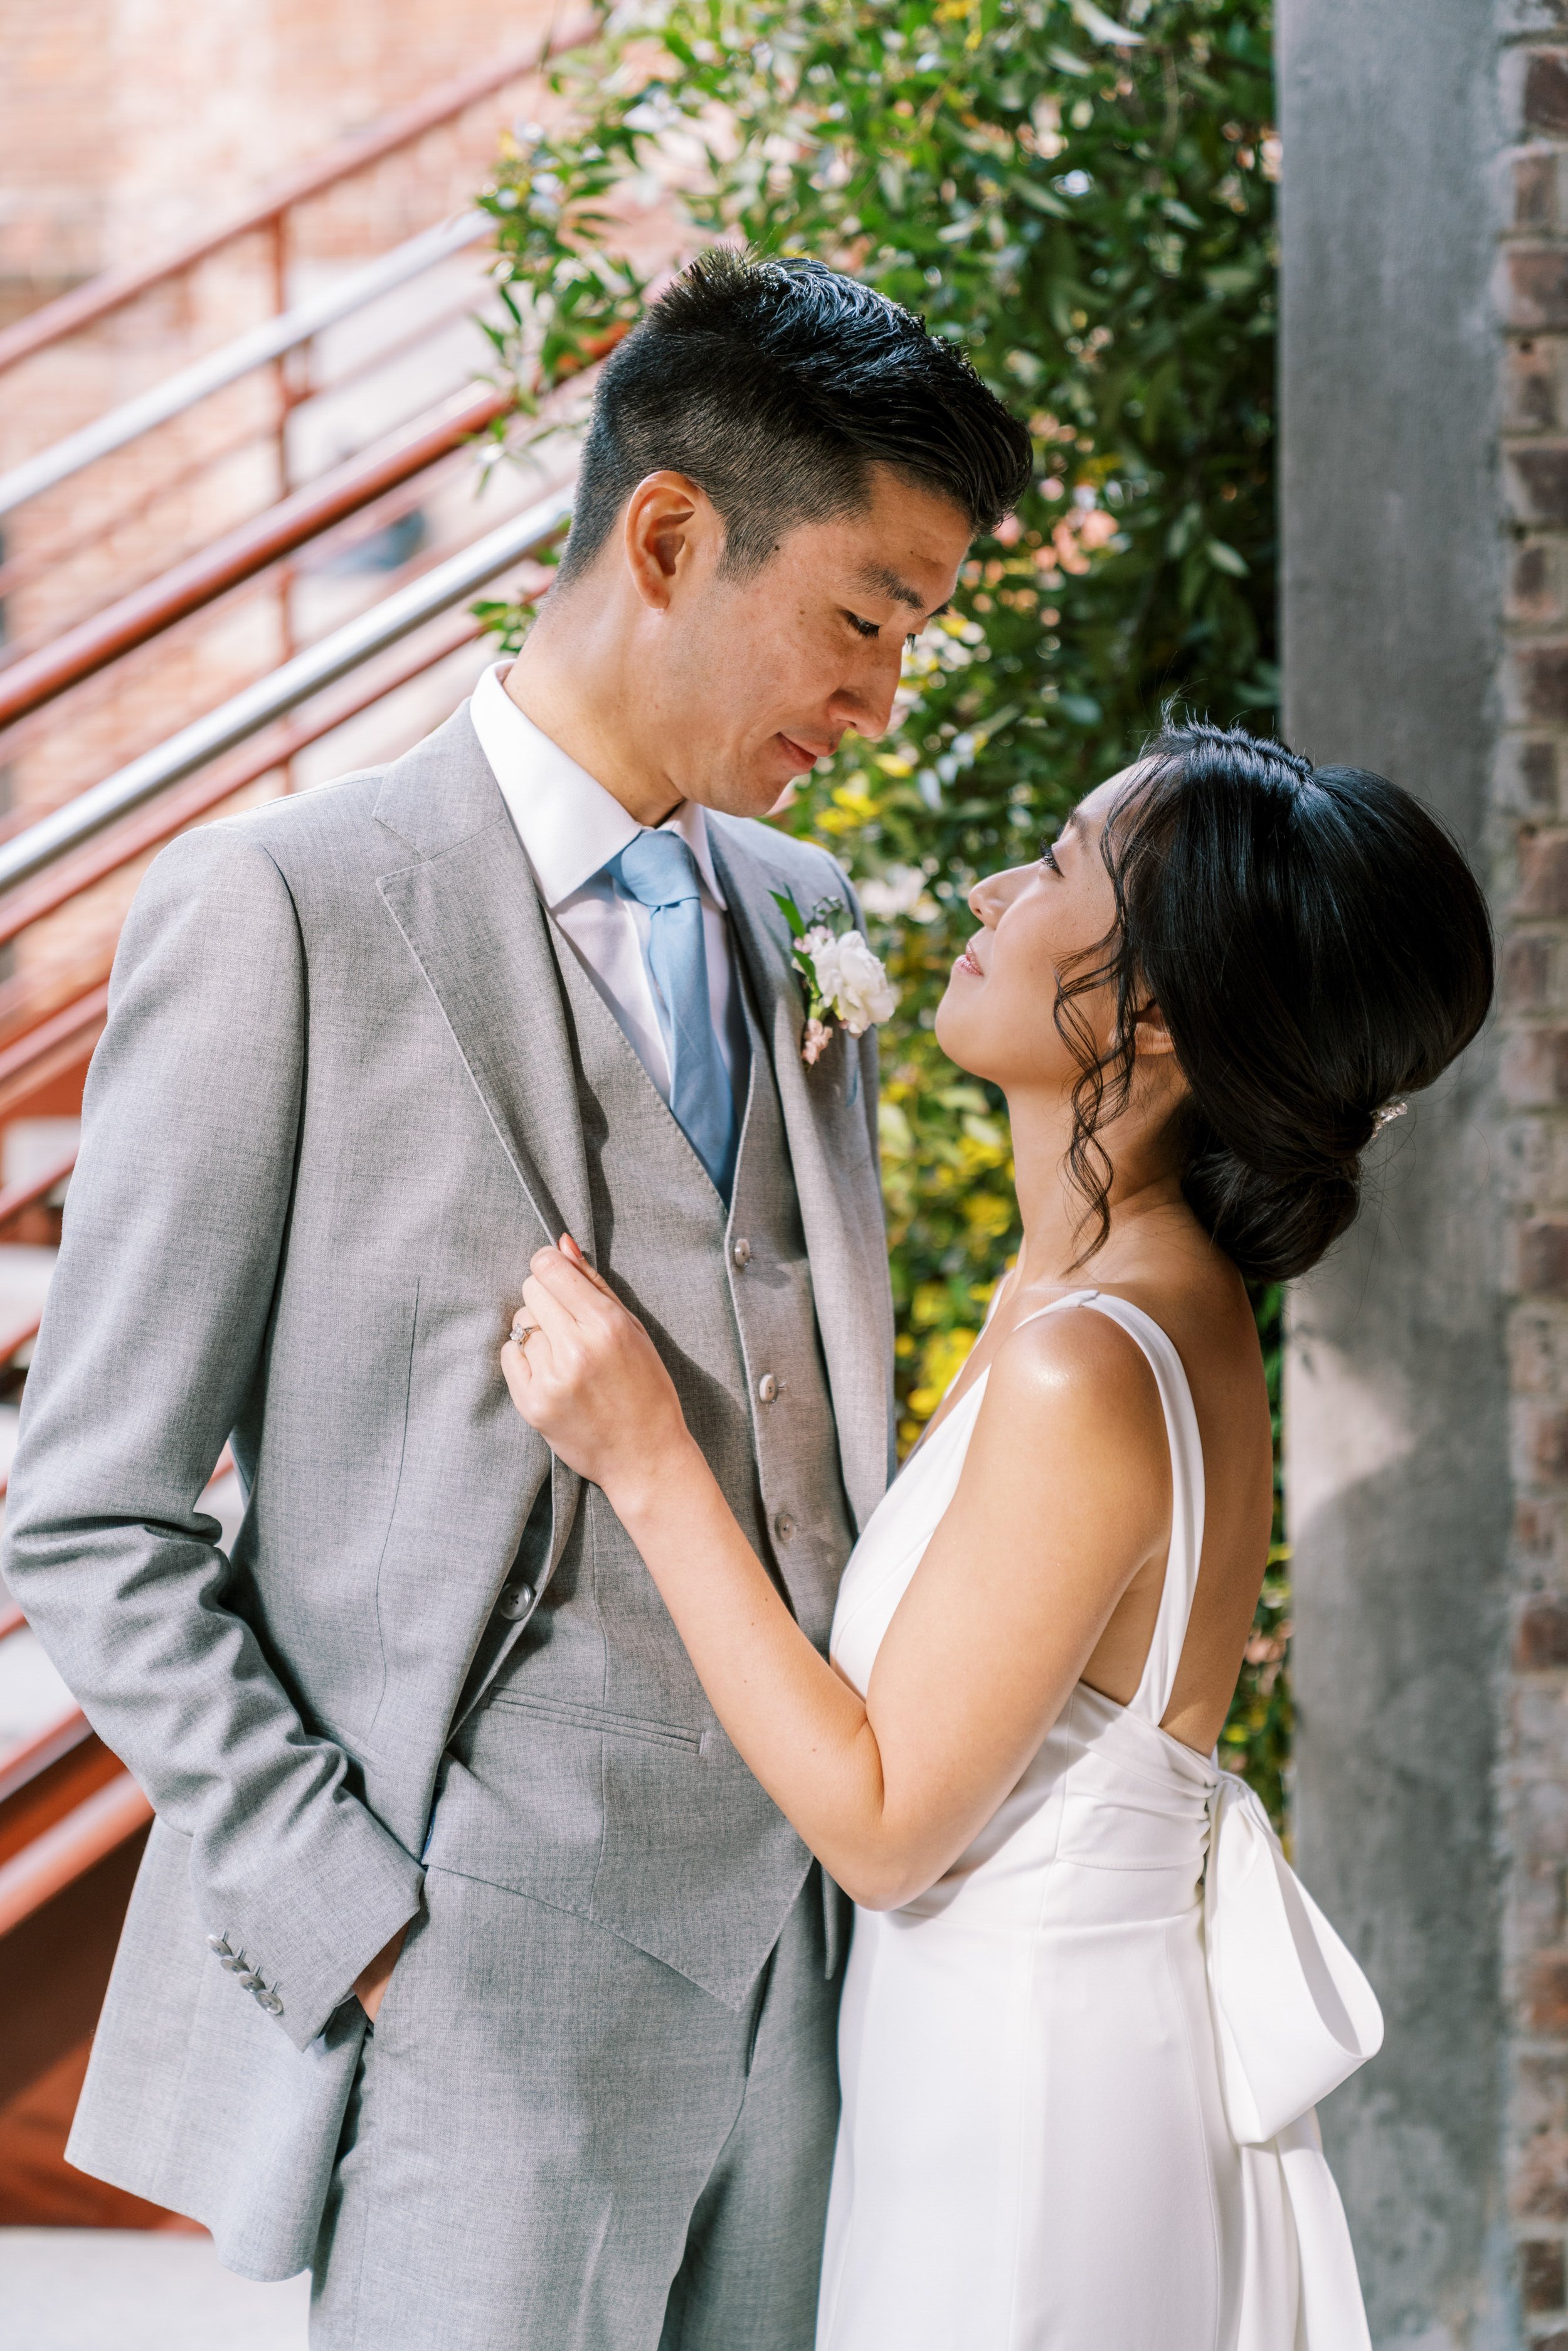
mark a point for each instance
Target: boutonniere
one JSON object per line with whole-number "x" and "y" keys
{"x": 843, "y": 979}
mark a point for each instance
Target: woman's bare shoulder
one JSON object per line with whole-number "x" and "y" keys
{"x": 1074, "y": 1376}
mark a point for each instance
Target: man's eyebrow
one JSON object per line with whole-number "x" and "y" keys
{"x": 885, "y": 583}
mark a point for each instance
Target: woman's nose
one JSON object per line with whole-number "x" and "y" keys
{"x": 988, "y": 898}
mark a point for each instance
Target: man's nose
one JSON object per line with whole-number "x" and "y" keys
{"x": 867, "y": 705}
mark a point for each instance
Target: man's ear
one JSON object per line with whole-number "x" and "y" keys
{"x": 669, "y": 523}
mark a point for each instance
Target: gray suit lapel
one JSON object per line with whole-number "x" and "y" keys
{"x": 824, "y": 1109}
{"x": 471, "y": 918}
{"x": 470, "y": 915}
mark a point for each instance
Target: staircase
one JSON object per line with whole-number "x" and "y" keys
{"x": 158, "y": 673}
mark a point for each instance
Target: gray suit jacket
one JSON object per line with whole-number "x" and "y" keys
{"x": 332, "y": 1114}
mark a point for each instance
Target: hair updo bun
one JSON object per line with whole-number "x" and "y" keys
{"x": 1318, "y": 947}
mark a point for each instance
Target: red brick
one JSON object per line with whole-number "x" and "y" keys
{"x": 1548, "y": 1453}
{"x": 1530, "y": 387}
{"x": 1544, "y": 868}
{"x": 1535, "y": 192}
{"x": 1538, "y": 773}
{"x": 1543, "y": 473}
{"x": 1526, "y": 973}
{"x": 1546, "y": 91}
{"x": 1546, "y": 1995}
{"x": 1541, "y": 2184}
{"x": 1541, "y": 2275}
{"x": 1543, "y": 1258}
{"x": 1540, "y": 1640}
{"x": 1537, "y": 287}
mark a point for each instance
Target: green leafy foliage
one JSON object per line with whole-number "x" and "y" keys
{"x": 1084, "y": 201}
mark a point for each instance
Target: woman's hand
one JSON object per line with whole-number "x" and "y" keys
{"x": 589, "y": 1378}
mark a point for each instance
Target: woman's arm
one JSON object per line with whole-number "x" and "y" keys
{"x": 1065, "y": 1495}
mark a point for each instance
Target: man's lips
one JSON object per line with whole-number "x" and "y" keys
{"x": 803, "y": 751}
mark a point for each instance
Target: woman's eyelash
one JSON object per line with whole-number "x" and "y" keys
{"x": 1048, "y": 856}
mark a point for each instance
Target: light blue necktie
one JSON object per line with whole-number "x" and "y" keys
{"x": 659, "y": 870}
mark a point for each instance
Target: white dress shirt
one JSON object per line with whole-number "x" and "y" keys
{"x": 570, "y": 827}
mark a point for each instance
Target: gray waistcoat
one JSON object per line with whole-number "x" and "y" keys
{"x": 596, "y": 1775}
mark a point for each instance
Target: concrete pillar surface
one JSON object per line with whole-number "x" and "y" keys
{"x": 1396, "y": 1409}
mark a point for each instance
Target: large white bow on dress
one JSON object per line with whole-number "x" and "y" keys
{"x": 1293, "y": 2014}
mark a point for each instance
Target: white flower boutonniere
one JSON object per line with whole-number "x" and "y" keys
{"x": 843, "y": 979}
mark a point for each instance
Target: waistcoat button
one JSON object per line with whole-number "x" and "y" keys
{"x": 767, "y": 1387}
{"x": 783, "y": 1526}
{"x": 742, "y": 1253}
{"x": 516, "y": 1600}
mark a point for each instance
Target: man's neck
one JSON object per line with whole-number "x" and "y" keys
{"x": 570, "y": 699}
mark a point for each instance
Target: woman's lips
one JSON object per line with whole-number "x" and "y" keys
{"x": 966, "y": 963}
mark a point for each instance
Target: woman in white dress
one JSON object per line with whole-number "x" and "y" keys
{"x": 1088, "y": 2008}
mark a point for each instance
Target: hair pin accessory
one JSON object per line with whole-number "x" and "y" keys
{"x": 1387, "y": 1114}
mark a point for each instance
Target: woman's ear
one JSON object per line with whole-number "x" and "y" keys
{"x": 1150, "y": 1033}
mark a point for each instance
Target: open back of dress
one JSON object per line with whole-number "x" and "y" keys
{"x": 1079, "y": 2071}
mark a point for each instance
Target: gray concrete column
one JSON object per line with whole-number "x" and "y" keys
{"x": 1396, "y": 1402}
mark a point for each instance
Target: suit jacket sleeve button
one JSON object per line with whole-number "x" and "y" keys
{"x": 220, "y": 1943}
{"x": 516, "y": 1601}
{"x": 270, "y": 2002}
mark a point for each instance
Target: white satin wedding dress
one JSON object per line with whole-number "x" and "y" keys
{"x": 1079, "y": 2073}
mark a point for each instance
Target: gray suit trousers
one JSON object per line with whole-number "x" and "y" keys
{"x": 555, "y": 2142}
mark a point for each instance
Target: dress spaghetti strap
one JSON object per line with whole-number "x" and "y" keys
{"x": 1153, "y": 1695}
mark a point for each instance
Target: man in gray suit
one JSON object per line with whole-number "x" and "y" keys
{"x": 426, "y": 1749}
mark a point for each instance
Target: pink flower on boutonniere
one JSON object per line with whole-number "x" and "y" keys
{"x": 843, "y": 979}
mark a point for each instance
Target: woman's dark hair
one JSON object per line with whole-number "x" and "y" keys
{"x": 775, "y": 386}
{"x": 1319, "y": 947}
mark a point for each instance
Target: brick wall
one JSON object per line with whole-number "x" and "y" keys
{"x": 1531, "y": 810}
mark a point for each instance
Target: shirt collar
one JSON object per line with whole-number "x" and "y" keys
{"x": 569, "y": 826}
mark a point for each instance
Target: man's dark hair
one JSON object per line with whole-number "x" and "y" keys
{"x": 776, "y": 386}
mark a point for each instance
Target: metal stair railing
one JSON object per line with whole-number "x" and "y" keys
{"x": 272, "y": 697}
{"x": 267, "y": 346}
{"x": 258, "y": 348}
{"x": 239, "y": 554}
{"x": 37, "y": 852}
{"x": 86, "y": 305}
